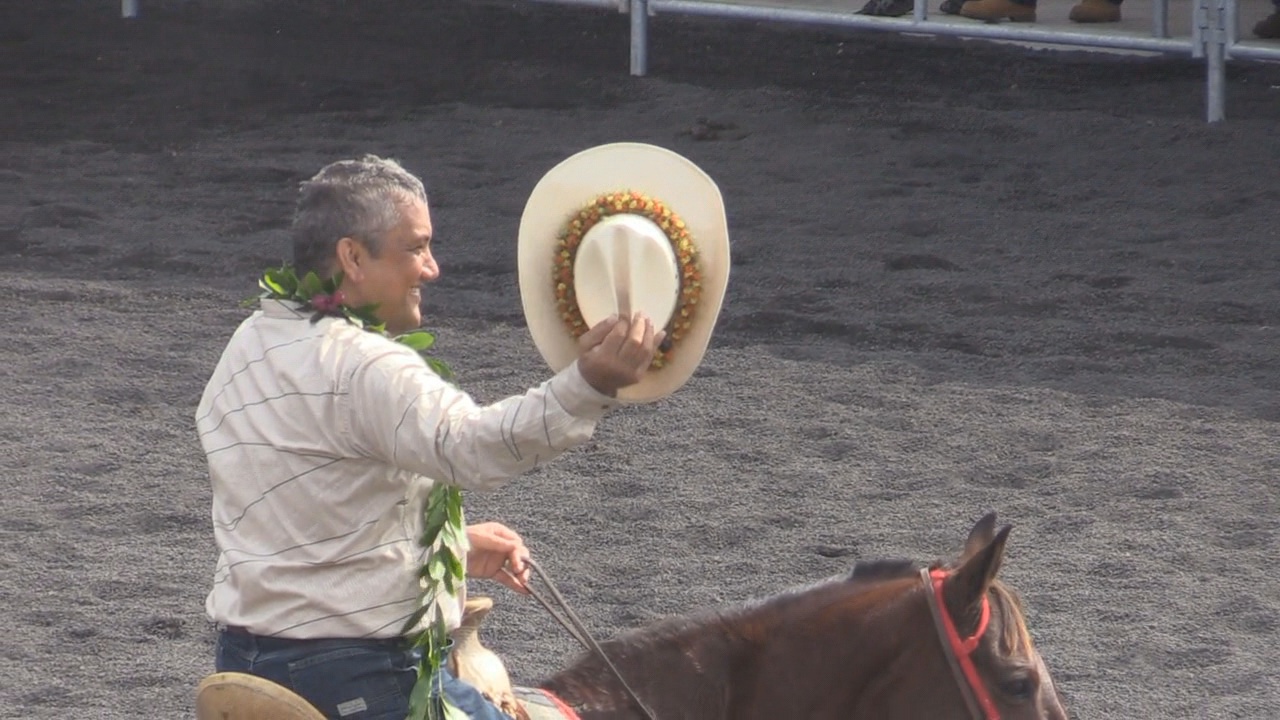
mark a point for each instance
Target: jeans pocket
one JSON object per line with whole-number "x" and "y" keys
{"x": 355, "y": 682}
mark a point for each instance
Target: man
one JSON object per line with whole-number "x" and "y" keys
{"x": 323, "y": 439}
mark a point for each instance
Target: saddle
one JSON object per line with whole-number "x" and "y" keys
{"x": 476, "y": 664}
{"x": 241, "y": 696}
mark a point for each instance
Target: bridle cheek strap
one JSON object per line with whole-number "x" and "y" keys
{"x": 960, "y": 650}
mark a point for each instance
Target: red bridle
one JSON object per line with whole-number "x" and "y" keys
{"x": 959, "y": 652}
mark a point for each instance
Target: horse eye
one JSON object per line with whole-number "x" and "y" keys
{"x": 1021, "y": 687}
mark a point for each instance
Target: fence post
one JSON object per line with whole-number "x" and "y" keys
{"x": 920, "y": 10}
{"x": 639, "y": 37}
{"x": 1212, "y": 35}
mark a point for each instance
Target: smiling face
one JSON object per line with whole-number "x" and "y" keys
{"x": 392, "y": 277}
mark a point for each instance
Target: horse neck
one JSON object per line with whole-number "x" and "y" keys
{"x": 682, "y": 668}
{"x": 769, "y": 660}
{"x": 836, "y": 658}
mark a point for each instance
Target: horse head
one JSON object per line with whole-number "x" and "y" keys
{"x": 996, "y": 666}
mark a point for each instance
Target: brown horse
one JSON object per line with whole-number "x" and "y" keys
{"x": 887, "y": 642}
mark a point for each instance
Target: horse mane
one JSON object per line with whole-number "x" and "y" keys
{"x": 1014, "y": 636}
{"x": 724, "y": 619}
{"x": 706, "y": 635}
{"x": 875, "y": 570}
{"x": 733, "y": 625}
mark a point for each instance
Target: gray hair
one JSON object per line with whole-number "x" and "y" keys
{"x": 350, "y": 198}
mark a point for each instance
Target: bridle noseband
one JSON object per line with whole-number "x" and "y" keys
{"x": 958, "y": 651}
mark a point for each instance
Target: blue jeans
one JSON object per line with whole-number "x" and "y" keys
{"x": 345, "y": 679}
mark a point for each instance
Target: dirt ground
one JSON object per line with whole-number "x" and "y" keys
{"x": 965, "y": 278}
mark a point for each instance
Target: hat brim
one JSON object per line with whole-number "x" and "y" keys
{"x": 635, "y": 167}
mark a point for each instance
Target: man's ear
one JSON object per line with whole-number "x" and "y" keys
{"x": 352, "y": 255}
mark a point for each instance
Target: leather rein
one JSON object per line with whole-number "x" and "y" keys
{"x": 559, "y": 609}
{"x": 959, "y": 651}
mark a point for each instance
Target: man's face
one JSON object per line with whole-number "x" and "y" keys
{"x": 393, "y": 278}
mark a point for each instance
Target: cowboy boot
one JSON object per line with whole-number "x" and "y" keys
{"x": 1268, "y": 28}
{"x": 887, "y": 8}
{"x": 1095, "y": 11}
{"x": 997, "y": 10}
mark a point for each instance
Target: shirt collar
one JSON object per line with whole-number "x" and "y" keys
{"x": 283, "y": 309}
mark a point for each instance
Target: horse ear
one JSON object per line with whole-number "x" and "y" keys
{"x": 983, "y": 532}
{"x": 964, "y": 590}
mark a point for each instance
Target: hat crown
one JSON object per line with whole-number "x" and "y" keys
{"x": 624, "y": 265}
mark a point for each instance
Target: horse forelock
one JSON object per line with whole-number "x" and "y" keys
{"x": 1015, "y": 637}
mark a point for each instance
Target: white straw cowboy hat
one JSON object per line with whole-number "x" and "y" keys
{"x": 621, "y": 228}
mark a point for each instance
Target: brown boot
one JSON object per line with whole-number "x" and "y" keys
{"x": 1268, "y": 28}
{"x": 1095, "y": 11}
{"x": 997, "y": 10}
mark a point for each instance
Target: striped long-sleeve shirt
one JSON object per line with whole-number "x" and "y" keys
{"x": 322, "y": 441}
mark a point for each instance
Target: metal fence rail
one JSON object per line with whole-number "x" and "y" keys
{"x": 1213, "y": 32}
{"x": 1214, "y": 36}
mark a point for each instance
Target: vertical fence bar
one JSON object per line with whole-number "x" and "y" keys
{"x": 128, "y": 8}
{"x": 1199, "y": 28}
{"x": 639, "y": 37}
{"x": 1232, "y": 23}
{"x": 1216, "y": 100}
{"x": 1214, "y": 35}
{"x": 1160, "y": 18}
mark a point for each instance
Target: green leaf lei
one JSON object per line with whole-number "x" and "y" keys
{"x": 443, "y": 522}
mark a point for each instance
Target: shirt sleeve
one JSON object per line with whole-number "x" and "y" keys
{"x": 402, "y": 413}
